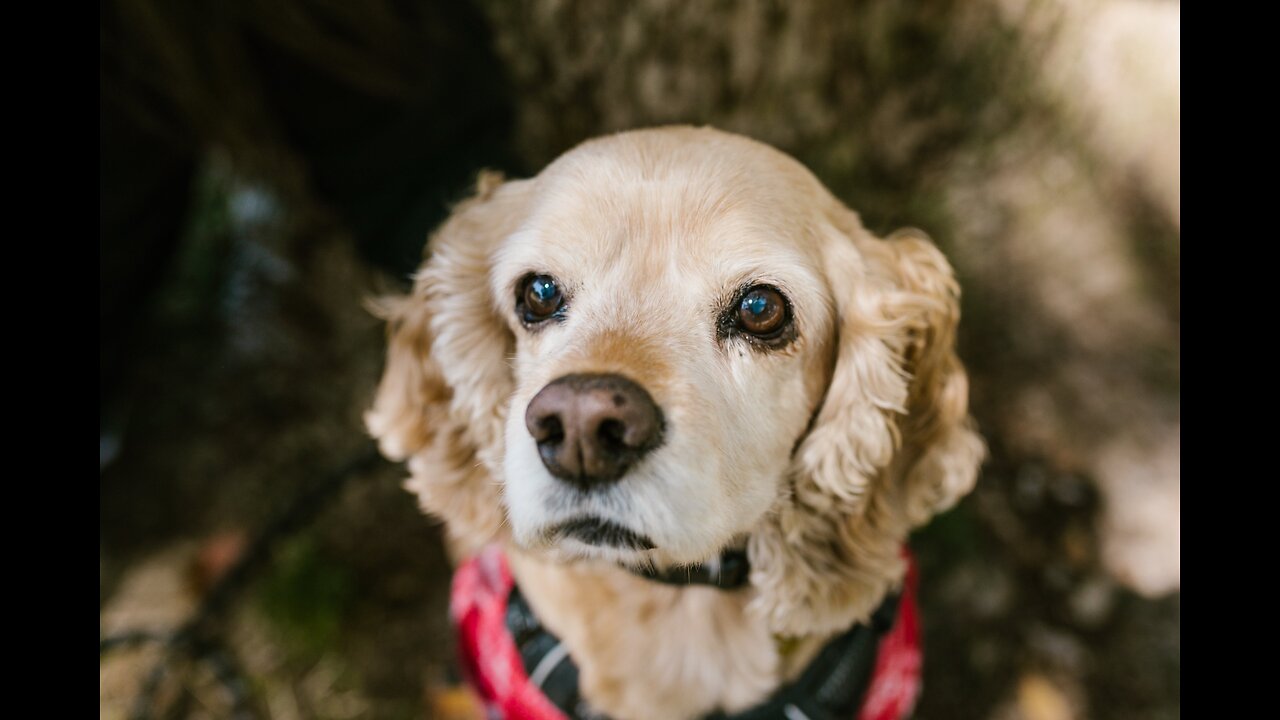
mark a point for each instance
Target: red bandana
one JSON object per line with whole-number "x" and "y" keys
{"x": 478, "y": 606}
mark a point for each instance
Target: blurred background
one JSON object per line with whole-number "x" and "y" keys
{"x": 265, "y": 168}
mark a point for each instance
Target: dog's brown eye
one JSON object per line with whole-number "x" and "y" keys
{"x": 539, "y": 298}
{"x": 762, "y": 311}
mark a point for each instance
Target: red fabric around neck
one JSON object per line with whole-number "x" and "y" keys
{"x": 478, "y": 606}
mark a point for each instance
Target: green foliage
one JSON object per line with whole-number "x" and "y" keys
{"x": 306, "y": 598}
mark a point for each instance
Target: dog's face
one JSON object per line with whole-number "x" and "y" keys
{"x": 673, "y": 326}
{"x": 673, "y": 340}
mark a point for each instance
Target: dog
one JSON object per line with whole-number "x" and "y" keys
{"x": 670, "y": 346}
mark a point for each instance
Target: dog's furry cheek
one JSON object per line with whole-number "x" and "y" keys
{"x": 450, "y": 484}
{"x": 525, "y": 485}
{"x": 681, "y": 505}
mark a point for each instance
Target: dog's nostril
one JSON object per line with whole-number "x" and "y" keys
{"x": 613, "y": 435}
{"x": 549, "y": 430}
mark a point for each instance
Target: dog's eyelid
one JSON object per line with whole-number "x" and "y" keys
{"x": 533, "y": 293}
{"x": 729, "y": 324}
{"x": 567, "y": 284}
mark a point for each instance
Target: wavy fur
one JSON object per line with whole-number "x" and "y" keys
{"x": 884, "y": 442}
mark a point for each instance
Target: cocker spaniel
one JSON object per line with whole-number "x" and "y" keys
{"x": 669, "y": 345}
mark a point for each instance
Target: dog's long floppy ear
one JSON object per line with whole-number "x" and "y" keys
{"x": 442, "y": 399}
{"x": 891, "y": 445}
{"x": 942, "y": 450}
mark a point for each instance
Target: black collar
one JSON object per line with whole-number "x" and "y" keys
{"x": 729, "y": 572}
{"x": 831, "y": 687}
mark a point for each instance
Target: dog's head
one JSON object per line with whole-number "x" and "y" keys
{"x": 675, "y": 340}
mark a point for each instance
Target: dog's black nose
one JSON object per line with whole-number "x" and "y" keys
{"x": 591, "y": 428}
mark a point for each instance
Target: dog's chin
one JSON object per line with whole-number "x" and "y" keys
{"x": 588, "y": 538}
{"x": 598, "y": 531}
{"x": 592, "y": 538}
{"x": 570, "y": 550}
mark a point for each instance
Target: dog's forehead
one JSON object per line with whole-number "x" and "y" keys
{"x": 674, "y": 203}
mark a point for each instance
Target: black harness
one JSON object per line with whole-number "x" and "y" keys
{"x": 830, "y": 688}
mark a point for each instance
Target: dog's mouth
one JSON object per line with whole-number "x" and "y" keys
{"x": 597, "y": 531}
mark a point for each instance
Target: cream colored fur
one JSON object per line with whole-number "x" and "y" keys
{"x": 820, "y": 456}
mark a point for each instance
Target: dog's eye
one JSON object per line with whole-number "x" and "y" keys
{"x": 762, "y": 311}
{"x": 539, "y": 298}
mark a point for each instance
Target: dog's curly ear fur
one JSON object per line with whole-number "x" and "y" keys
{"x": 442, "y": 397}
{"x": 944, "y": 450}
{"x": 891, "y": 445}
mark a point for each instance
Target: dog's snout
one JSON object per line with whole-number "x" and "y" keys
{"x": 591, "y": 428}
